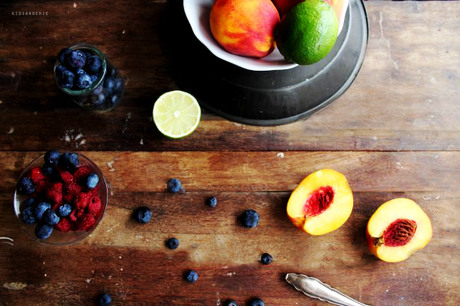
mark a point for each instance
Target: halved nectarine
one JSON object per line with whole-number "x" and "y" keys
{"x": 397, "y": 229}
{"x": 321, "y": 203}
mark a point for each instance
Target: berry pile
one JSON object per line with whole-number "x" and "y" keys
{"x": 63, "y": 195}
{"x": 80, "y": 69}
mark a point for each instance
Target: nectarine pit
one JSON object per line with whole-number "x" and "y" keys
{"x": 399, "y": 233}
{"x": 319, "y": 201}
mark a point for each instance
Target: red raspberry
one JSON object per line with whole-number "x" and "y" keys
{"x": 66, "y": 177}
{"x": 86, "y": 222}
{"x": 37, "y": 175}
{"x": 81, "y": 173}
{"x": 82, "y": 199}
{"x": 94, "y": 206}
{"x": 64, "y": 225}
{"x": 54, "y": 193}
{"x": 71, "y": 191}
{"x": 73, "y": 216}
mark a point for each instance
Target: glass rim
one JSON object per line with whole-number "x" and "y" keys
{"x": 82, "y": 92}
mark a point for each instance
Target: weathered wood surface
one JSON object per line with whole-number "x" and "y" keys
{"x": 404, "y": 98}
{"x": 394, "y": 133}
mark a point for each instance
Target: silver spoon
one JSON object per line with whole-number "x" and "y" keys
{"x": 314, "y": 288}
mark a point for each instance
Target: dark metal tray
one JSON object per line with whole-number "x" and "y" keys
{"x": 261, "y": 97}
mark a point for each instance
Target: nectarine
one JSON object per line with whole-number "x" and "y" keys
{"x": 397, "y": 229}
{"x": 245, "y": 27}
{"x": 321, "y": 203}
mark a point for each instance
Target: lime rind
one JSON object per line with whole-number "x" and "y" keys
{"x": 176, "y": 114}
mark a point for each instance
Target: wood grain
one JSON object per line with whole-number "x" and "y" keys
{"x": 404, "y": 97}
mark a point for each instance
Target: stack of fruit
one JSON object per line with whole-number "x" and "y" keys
{"x": 304, "y": 31}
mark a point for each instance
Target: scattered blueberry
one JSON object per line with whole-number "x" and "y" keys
{"x": 84, "y": 81}
{"x": 64, "y": 210}
{"x": 232, "y": 303}
{"x": 62, "y": 54}
{"x": 143, "y": 214}
{"x": 30, "y": 202}
{"x": 172, "y": 243}
{"x": 174, "y": 185}
{"x": 250, "y": 218}
{"x": 104, "y": 300}
{"x": 266, "y": 259}
{"x": 26, "y": 186}
{"x": 212, "y": 202}
{"x": 93, "y": 64}
{"x": 257, "y": 302}
{"x": 66, "y": 79}
{"x": 40, "y": 209}
{"x": 48, "y": 169}
{"x": 43, "y": 230}
{"x": 51, "y": 217}
{"x": 28, "y": 216}
{"x": 69, "y": 161}
{"x": 52, "y": 157}
{"x": 92, "y": 181}
{"x": 191, "y": 276}
{"x": 76, "y": 59}
{"x": 109, "y": 84}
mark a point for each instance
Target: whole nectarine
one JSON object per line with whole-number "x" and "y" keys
{"x": 321, "y": 203}
{"x": 397, "y": 229}
{"x": 245, "y": 27}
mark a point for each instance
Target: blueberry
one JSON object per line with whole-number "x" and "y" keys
{"x": 104, "y": 300}
{"x": 93, "y": 64}
{"x": 84, "y": 81}
{"x": 212, "y": 202}
{"x": 109, "y": 84}
{"x": 30, "y": 202}
{"x": 92, "y": 181}
{"x": 68, "y": 161}
{"x": 88, "y": 53}
{"x": 62, "y": 54}
{"x": 48, "y": 169}
{"x": 52, "y": 157}
{"x": 191, "y": 276}
{"x": 80, "y": 71}
{"x": 174, "y": 185}
{"x": 111, "y": 72}
{"x": 257, "y": 302}
{"x": 76, "y": 59}
{"x": 43, "y": 230}
{"x": 60, "y": 69}
{"x": 28, "y": 216}
{"x": 94, "y": 78}
{"x": 113, "y": 99}
{"x": 26, "y": 186}
{"x": 250, "y": 218}
{"x": 232, "y": 303}
{"x": 64, "y": 210}
{"x": 66, "y": 79}
{"x": 143, "y": 215}
{"x": 266, "y": 259}
{"x": 172, "y": 243}
{"x": 118, "y": 85}
{"x": 98, "y": 90}
{"x": 40, "y": 209}
{"x": 51, "y": 217}
{"x": 98, "y": 99}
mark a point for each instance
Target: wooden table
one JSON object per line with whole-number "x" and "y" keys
{"x": 394, "y": 133}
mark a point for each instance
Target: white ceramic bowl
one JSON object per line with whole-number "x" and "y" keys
{"x": 198, "y": 12}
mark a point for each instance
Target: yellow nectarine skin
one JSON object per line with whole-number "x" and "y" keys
{"x": 245, "y": 27}
{"x": 321, "y": 203}
{"x": 397, "y": 229}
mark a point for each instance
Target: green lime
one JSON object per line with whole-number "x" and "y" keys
{"x": 176, "y": 114}
{"x": 307, "y": 33}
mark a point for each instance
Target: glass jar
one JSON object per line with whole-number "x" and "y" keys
{"x": 107, "y": 88}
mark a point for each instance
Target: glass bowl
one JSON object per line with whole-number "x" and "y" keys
{"x": 72, "y": 236}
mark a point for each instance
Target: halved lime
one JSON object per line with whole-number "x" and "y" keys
{"x": 176, "y": 114}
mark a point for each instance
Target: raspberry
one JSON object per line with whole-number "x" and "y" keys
{"x": 71, "y": 191}
{"x": 81, "y": 173}
{"x": 73, "y": 216}
{"x": 94, "y": 206}
{"x": 86, "y": 222}
{"x": 82, "y": 199}
{"x": 54, "y": 193}
{"x": 37, "y": 175}
{"x": 66, "y": 177}
{"x": 64, "y": 225}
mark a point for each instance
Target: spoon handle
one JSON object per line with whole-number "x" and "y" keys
{"x": 314, "y": 288}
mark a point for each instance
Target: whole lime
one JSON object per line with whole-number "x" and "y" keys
{"x": 308, "y": 32}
